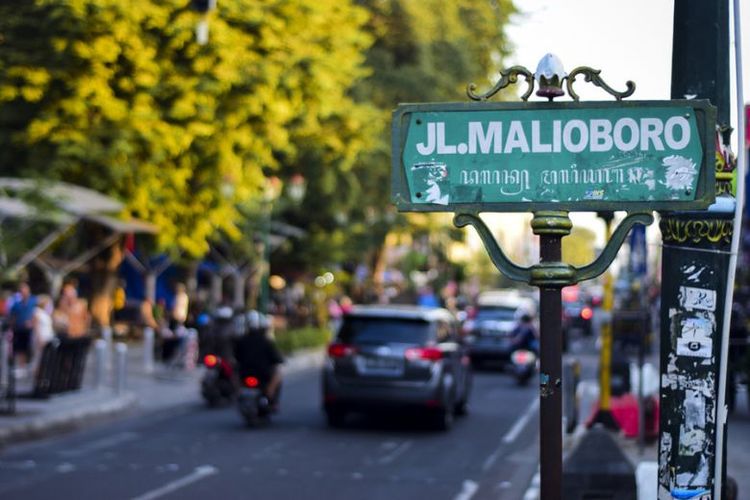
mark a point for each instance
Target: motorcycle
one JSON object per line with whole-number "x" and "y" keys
{"x": 524, "y": 365}
{"x": 217, "y": 384}
{"x": 254, "y": 406}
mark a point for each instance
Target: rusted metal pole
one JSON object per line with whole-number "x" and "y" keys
{"x": 550, "y": 391}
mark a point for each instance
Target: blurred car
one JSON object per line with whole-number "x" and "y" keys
{"x": 398, "y": 357}
{"x": 489, "y": 332}
{"x": 577, "y": 318}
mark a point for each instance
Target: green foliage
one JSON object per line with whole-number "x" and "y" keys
{"x": 289, "y": 341}
{"x": 117, "y": 96}
{"x": 422, "y": 51}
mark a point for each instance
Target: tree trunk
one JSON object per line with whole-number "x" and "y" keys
{"x": 104, "y": 268}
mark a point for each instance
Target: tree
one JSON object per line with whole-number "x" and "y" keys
{"x": 422, "y": 51}
{"x": 118, "y": 96}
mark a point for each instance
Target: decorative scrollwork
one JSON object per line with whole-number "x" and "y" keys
{"x": 551, "y": 274}
{"x": 696, "y": 231}
{"x": 507, "y": 77}
{"x": 592, "y": 75}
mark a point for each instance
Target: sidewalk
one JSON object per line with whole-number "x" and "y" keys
{"x": 144, "y": 393}
{"x": 645, "y": 459}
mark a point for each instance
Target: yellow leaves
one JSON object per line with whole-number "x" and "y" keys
{"x": 41, "y": 128}
{"x": 125, "y": 91}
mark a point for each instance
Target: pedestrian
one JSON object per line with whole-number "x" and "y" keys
{"x": 334, "y": 315}
{"x": 119, "y": 301}
{"x": 148, "y": 318}
{"x": 42, "y": 332}
{"x": 180, "y": 307}
{"x": 71, "y": 317}
{"x": 21, "y": 323}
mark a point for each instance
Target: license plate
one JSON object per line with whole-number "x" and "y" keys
{"x": 381, "y": 366}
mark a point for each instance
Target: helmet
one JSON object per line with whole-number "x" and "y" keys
{"x": 224, "y": 312}
{"x": 253, "y": 319}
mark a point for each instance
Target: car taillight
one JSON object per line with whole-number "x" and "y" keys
{"x": 251, "y": 382}
{"x": 210, "y": 360}
{"x": 426, "y": 353}
{"x": 587, "y": 313}
{"x": 522, "y": 357}
{"x": 340, "y": 350}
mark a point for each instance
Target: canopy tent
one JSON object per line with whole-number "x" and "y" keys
{"x": 59, "y": 207}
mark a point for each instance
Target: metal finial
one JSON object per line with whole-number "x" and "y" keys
{"x": 550, "y": 74}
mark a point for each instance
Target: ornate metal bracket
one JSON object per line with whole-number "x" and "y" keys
{"x": 552, "y": 274}
{"x": 550, "y": 76}
{"x": 507, "y": 77}
{"x": 592, "y": 75}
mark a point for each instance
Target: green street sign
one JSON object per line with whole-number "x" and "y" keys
{"x": 517, "y": 157}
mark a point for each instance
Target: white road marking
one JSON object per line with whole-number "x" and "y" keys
{"x": 100, "y": 444}
{"x": 199, "y": 473}
{"x": 397, "y": 451}
{"x": 490, "y": 461}
{"x": 511, "y": 435}
{"x": 532, "y": 493}
{"x": 467, "y": 490}
{"x": 514, "y": 431}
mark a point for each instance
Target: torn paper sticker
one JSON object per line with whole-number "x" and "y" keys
{"x": 695, "y": 340}
{"x": 697, "y": 298}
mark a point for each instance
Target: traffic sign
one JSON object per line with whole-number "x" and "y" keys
{"x": 501, "y": 157}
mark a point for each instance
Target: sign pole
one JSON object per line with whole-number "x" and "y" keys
{"x": 693, "y": 303}
{"x": 551, "y": 158}
{"x": 604, "y": 414}
{"x": 550, "y": 355}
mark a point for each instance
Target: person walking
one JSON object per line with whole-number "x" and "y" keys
{"x": 21, "y": 323}
{"x": 42, "y": 332}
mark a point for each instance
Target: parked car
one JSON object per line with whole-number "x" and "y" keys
{"x": 489, "y": 332}
{"x": 397, "y": 357}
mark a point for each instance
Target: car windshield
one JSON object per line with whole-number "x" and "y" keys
{"x": 369, "y": 330}
{"x": 496, "y": 313}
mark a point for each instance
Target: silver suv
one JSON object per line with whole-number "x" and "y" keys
{"x": 397, "y": 357}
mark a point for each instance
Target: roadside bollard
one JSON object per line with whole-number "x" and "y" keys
{"x": 571, "y": 377}
{"x": 148, "y": 350}
{"x": 4, "y": 365}
{"x": 107, "y": 337}
{"x": 100, "y": 362}
{"x": 191, "y": 349}
{"x": 121, "y": 360}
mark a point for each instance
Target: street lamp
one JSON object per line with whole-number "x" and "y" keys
{"x": 295, "y": 188}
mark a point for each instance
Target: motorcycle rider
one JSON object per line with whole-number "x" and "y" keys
{"x": 257, "y": 355}
{"x": 524, "y": 335}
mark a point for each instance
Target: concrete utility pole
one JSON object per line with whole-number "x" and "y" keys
{"x": 695, "y": 263}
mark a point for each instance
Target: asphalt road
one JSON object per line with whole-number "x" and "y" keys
{"x": 196, "y": 452}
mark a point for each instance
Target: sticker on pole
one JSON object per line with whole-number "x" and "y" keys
{"x": 565, "y": 156}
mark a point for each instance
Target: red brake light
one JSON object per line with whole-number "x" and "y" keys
{"x": 251, "y": 382}
{"x": 521, "y": 357}
{"x": 340, "y": 350}
{"x": 210, "y": 360}
{"x": 587, "y": 313}
{"x": 426, "y": 353}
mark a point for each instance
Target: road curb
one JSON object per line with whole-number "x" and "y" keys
{"x": 48, "y": 425}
